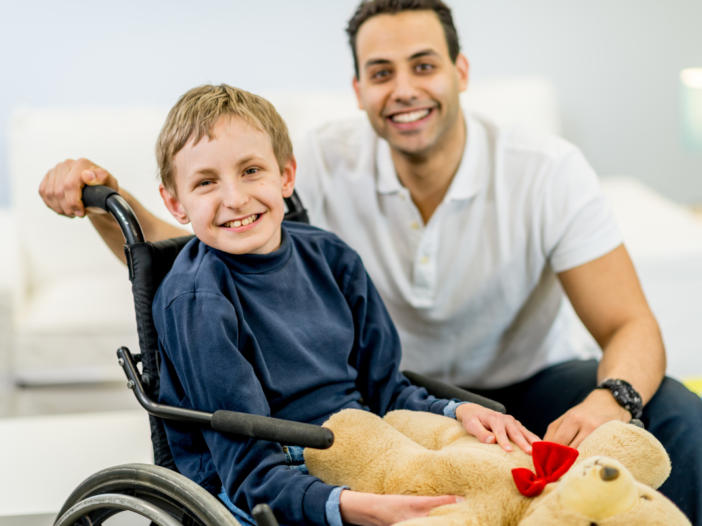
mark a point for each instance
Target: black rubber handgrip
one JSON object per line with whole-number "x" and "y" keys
{"x": 273, "y": 429}
{"x": 263, "y": 515}
{"x": 443, "y": 390}
{"x": 96, "y": 196}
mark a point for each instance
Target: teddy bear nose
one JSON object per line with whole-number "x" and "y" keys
{"x": 607, "y": 473}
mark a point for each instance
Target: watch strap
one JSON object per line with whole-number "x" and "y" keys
{"x": 625, "y": 395}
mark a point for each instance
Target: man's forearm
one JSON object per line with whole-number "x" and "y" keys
{"x": 635, "y": 353}
{"x": 154, "y": 229}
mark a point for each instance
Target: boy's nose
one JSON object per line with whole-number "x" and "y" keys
{"x": 234, "y": 197}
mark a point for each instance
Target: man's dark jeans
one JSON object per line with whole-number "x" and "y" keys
{"x": 673, "y": 415}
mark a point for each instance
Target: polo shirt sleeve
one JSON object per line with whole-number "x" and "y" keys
{"x": 199, "y": 336}
{"x": 577, "y": 223}
{"x": 377, "y": 352}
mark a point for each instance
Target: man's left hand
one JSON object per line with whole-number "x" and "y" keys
{"x": 576, "y": 425}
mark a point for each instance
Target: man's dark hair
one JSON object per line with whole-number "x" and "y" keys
{"x": 370, "y": 8}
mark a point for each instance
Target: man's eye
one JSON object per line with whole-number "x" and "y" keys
{"x": 424, "y": 67}
{"x": 383, "y": 73}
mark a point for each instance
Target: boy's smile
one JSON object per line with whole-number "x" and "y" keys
{"x": 231, "y": 189}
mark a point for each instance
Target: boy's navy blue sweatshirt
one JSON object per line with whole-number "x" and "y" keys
{"x": 298, "y": 334}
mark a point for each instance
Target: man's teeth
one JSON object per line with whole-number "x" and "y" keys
{"x": 411, "y": 116}
{"x": 243, "y": 222}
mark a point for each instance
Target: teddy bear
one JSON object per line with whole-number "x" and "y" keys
{"x": 609, "y": 480}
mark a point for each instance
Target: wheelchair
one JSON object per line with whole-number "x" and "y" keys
{"x": 158, "y": 492}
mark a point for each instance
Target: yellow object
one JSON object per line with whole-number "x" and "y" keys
{"x": 694, "y": 385}
{"x": 415, "y": 453}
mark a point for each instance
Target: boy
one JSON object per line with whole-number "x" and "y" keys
{"x": 271, "y": 319}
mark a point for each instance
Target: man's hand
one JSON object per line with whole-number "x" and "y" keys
{"x": 490, "y": 426}
{"x": 573, "y": 427}
{"x": 62, "y": 186}
{"x": 368, "y": 509}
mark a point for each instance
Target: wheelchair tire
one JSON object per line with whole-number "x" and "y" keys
{"x": 150, "y": 487}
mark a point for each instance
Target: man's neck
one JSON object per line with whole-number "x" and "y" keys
{"x": 428, "y": 176}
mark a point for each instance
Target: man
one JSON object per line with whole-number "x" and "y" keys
{"x": 472, "y": 233}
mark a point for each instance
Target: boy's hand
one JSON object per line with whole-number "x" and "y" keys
{"x": 488, "y": 426}
{"x": 62, "y": 186}
{"x": 368, "y": 509}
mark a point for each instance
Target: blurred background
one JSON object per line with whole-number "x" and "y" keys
{"x": 608, "y": 76}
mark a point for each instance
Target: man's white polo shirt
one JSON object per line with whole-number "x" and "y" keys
{"x": 473, "y": 292}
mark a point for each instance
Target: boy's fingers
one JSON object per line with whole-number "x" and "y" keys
{"x": 515, "y": 434}
{"x": 476, "y": 428}
{"x": 501, "y": 436}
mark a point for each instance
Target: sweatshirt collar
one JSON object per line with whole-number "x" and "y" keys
{"x": 259, "y": 263}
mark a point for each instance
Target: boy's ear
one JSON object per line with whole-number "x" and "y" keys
{"x": 174, "y": 207}
{"x": 288, "y": 175}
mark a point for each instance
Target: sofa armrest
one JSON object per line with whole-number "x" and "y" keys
{"x": 9, "y": 277}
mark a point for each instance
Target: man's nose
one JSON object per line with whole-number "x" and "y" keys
{"x": 405, "y": 89}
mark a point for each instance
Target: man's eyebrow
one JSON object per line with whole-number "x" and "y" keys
{"x": 377, "y": 61}
{"x": 418, "y": 54}
{"x": 424, "y": 53}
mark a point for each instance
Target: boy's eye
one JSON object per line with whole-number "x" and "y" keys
{"x": 251, "y": 171}
{"x": 204, "y": 183}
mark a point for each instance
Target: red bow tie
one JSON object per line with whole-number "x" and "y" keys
{"x": 551, "y": 462}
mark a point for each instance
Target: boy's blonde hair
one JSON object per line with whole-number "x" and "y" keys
{"x": 196, "y": 113}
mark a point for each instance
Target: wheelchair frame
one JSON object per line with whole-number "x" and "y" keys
{"x": 159, "y": 492}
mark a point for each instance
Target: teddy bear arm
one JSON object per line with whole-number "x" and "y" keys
{"x": 426, "y": 429}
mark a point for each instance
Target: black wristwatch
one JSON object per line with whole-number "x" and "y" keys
{"x": 625, "y": 395}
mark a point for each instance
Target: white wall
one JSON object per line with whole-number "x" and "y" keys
{"x": 615, "y": 63}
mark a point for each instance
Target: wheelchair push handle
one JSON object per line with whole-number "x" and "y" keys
{"x": 109, "y": 200}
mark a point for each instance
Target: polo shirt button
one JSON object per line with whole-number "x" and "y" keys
{"x": 414, "y": 225}
{"x": 424, "y": 260}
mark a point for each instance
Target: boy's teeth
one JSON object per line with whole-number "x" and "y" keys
{"x": 410, "y": 117}
{"x": 242, "y": 222}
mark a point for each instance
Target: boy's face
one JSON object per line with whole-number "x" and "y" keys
{"x": 230, "y": 188}
{"x": 407, "y": 83}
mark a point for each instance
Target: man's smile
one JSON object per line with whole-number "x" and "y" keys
{"x": 409, "y": 119}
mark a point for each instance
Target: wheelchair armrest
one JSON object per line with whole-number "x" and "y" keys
{"x": 242, "y": 424}
{"x": 443, "y": 390}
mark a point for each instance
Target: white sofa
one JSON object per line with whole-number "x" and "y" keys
{"x": 71, "y": 302}
{"x": 71, "y": 297}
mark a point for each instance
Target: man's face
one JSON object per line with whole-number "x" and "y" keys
{"x": 230, "y": 188}
{"x": 407, "y": 83}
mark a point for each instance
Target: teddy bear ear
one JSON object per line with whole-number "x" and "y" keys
{"x": 640, "y": 452}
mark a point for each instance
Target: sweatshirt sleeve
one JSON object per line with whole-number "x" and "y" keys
{"x": 377, "y": 351}
{"x": 201, "y": 344}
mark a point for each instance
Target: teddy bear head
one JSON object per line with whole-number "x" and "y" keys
{"x": 600, "y": 491}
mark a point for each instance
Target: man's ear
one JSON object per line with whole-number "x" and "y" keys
{"x": 357, "y": 89}
{"x": 463, "y": 69}
{"x": 288, "y": 175}
{"x": 173, "y": 204}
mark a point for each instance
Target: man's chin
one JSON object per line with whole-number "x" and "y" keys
{"x": 419, "y": 147}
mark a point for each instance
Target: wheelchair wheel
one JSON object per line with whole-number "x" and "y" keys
{"x": 163, "y": 496}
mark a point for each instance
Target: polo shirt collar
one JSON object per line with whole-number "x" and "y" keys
{"x": 465, "y": 184}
